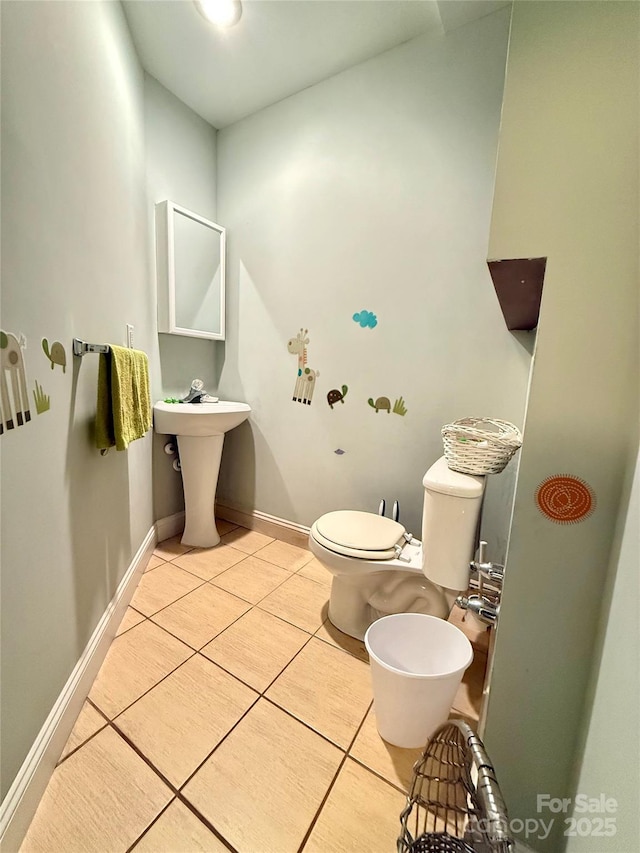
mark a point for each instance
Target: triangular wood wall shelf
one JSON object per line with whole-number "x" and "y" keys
{"x": 518, "y": 283}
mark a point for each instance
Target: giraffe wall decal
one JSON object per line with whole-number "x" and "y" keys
{"x": 12, "y": 362}
{"x": 306, "y": 378}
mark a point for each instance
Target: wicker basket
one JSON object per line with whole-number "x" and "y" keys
{"x": 480, "y": 445}
{"x": 455, "y": 804}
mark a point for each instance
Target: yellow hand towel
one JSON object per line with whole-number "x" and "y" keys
{"x": 123, "y": 412}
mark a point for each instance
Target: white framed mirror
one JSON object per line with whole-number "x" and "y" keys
{"x": 191, "y": 273}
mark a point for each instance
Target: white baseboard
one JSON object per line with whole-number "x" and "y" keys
{"x": 270, "y": 525}
{"x": 169, "y": 526}
{"x": 22, "y": 799}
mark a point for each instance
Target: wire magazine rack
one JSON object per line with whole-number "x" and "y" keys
{"x": 455, "y": 804}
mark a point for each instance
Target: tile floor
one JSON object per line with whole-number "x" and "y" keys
{"x": 229, "y": 714}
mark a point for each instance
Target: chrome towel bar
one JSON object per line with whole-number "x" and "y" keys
{"x": 82, "y": 348}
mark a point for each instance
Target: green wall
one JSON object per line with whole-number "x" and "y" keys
{"x": 566, "y": 188}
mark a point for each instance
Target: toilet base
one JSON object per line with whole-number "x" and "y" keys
{"x": 357, "y": 601}
{"x": 348, "y": 609}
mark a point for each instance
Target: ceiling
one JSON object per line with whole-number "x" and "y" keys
{"x": 278, "y": 47}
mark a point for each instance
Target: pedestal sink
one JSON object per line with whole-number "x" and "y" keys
{"x": 200, "y": 429}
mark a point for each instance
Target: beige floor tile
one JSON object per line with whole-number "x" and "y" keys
{"x": 284, "y": 555}
{"x": 131, "y": 617}
{"x": 179, "y": 722}
{"x": 361, "y": 813}
{"x": 252, "y": 579}
{"x": 88, "y": 723}
{"x": 199, "y": 616}
{"x": 245, "y": 540}
{"x": 458, "y": 715}
{"x": 477, "y": 633}
{"x": 178, "y": 830}
{"x": 154, "y": 562}
{"x": 315, "y": 571}
{"x": 264, "y": 783}
{"x": 325, "y": 688}
{"x": 468, "y": 699}
{"x": 300, "y": 601}
{"x": 170, "y": 548}
{"x": 392, "y": 762}
{"x": 98, "y": 801}
{"x": 161, "y": 587}
{"x": 206, "y": 563}
{"x": 330, "y": 634}
{"x": 135, "y": 662}
{"x": 223, "y": 526}
{"x": 256, "y": 648}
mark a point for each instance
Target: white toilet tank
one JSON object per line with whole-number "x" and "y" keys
{"x": 449, "y": 521}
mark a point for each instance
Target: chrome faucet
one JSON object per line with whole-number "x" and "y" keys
{"x": 491, "y": 571}
{"x": 485, "y": 608}
{"x": 195, "y": 392}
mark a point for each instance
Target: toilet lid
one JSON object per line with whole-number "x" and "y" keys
{"x": 361, "y": 534}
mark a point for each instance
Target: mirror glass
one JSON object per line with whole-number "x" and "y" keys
{"x": 191, "y": 273}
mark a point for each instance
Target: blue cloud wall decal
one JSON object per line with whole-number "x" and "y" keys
{"x": 367, "y": 319}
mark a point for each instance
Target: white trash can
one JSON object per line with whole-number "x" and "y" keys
{"x": 417, "y": 664}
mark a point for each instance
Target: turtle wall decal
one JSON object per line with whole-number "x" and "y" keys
{"x": 336, "y": 396}
{"x": 56, "y": 354}
{"x": 382, "y": 403}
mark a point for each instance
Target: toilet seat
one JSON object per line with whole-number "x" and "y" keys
{"x": 362, "y": 535}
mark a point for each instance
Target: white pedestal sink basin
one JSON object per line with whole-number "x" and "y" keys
{"x": 200, "y": 429}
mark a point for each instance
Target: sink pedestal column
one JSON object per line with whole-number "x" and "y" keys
{"x": 200, "y": 464}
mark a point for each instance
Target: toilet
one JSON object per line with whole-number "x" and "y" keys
{"x": 378, "y": 568}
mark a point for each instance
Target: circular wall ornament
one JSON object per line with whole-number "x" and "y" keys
{"x": 565, "y": 499}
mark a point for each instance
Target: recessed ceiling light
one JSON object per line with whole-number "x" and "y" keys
{"x": 222, "y": 13}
